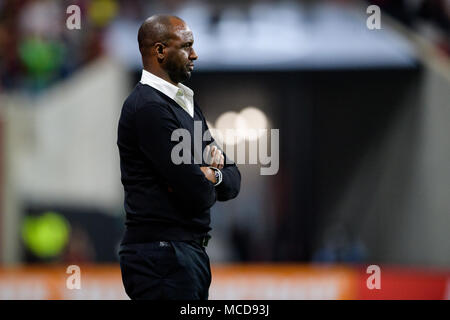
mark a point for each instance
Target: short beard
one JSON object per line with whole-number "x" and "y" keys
{"x": 176, "y": 73}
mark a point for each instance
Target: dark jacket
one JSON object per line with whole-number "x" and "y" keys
{"x": 153, "y": 213}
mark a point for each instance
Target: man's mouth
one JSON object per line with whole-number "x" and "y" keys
{"x": 191, "y": 67}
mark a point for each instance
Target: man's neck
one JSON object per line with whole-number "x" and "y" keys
{"x": 160, "y": 73}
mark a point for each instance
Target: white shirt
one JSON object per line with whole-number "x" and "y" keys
{"x": 181, "y": 94}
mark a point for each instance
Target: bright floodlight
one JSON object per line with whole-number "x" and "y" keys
{"x": 232, "y": 126}
{"x": 255, "y": 120}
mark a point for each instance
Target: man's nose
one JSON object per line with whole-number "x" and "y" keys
{"x": 193, "y": 55}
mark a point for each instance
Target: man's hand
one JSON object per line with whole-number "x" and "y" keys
{"x": 209, "y": 174}
{"x": 217, "y": 159}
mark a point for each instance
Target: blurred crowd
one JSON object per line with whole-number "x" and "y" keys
{"x": 37, "y": 49}
{"x": 430, "y": 18}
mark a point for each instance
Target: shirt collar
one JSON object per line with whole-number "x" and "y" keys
{"x": 164, "y": 86}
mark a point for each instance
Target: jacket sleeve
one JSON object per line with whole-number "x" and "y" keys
{"x": 231, "y": 177}
{"x": 154, "y": 125}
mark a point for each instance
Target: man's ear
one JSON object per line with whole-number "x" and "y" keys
{"x": 159, "y": 47}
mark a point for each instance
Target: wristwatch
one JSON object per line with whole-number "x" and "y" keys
{"x": 218, "y": 175}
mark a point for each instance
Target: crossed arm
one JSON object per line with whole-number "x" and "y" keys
{"x": 193, "y": 183}
{"x": 231, "y": 177}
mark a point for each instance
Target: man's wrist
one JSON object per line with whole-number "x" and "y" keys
{"x": 218, "y": 175}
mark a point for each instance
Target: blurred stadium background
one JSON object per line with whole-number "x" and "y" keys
{"x": 364, "y": 119}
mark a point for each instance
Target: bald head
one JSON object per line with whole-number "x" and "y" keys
{"x": 157, "y": 28}
{"x": 166, "y": 45}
